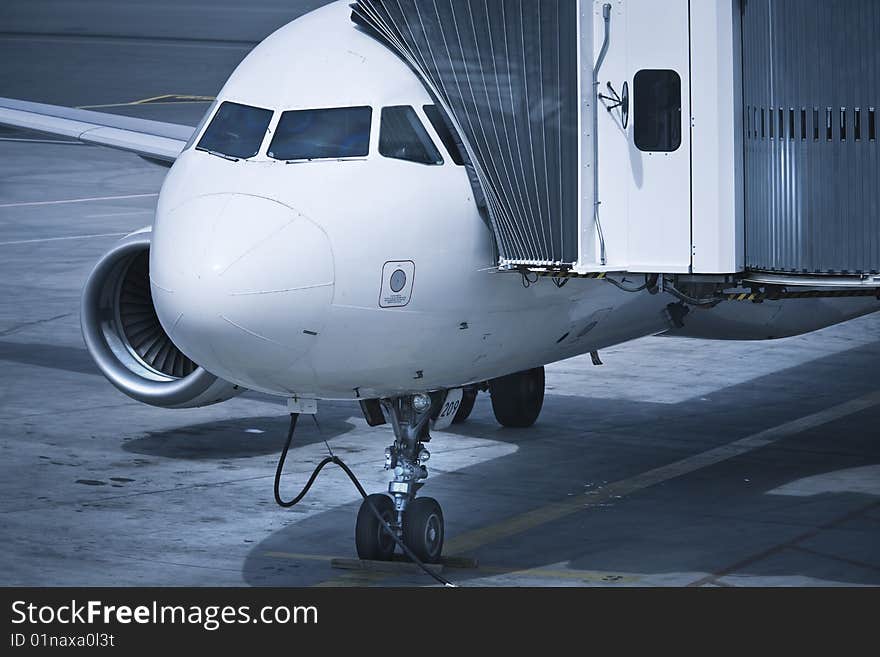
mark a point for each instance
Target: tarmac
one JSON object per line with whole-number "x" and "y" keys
{"x": 677, "y": 462}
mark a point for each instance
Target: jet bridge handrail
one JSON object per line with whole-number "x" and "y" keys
{"x": 606, "y": 17}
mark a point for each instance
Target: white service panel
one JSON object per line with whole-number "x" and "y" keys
{"x": 398, "y": 277}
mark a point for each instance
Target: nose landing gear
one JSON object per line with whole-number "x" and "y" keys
{"x": 418, "y": 522}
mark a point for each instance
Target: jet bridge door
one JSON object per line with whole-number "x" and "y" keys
{"x": 644, "y": 152}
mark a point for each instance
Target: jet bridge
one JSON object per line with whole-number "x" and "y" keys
{"x": 713, "y": 138}
{"x": 811, "y": 73}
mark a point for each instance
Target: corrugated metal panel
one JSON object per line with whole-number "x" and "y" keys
{"x": 811, "y": 77}
{"x": 506, "y": 70}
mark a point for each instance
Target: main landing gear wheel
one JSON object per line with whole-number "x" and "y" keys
{"x": 372, "y": 539}
{"x": 468, "y": 399}
{"x": 423, "y": 529}
{"x": 517, "y": 398}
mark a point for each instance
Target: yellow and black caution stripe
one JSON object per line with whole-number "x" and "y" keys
{"x": 567, "y": 274}
{"x": 806, "y": 294}
{"x": 746, "y": 296}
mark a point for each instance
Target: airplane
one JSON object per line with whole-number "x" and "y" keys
{"x": 318, "y": 237}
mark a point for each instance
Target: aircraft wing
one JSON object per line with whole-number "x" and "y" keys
{"x": 154, "y": 140}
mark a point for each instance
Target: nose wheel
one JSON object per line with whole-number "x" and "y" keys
{"x": 415, "y": 521}
{"x": 423, "y": 529}
{"x": 370, "y": 536}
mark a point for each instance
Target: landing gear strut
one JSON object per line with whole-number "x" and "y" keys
{"x": 418, "y": 522}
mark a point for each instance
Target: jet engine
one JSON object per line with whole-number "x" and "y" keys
{"x": 126, "y": 340}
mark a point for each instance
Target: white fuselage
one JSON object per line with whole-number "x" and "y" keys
{"x": 269, "y": 274}
{"x": 275, "y": 275}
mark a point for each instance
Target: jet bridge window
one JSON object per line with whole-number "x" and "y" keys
{"x": 403, "y": 137}
{"x": 236, "y": 131}
{"x": 322, "y": 134}
{"x": 657, "y": 110}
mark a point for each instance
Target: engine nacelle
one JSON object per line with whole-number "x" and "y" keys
{"x": 123, "y": 334}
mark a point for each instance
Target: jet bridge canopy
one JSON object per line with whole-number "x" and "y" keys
{"x": 507, "y": 75}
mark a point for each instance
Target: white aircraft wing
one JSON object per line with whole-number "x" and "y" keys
{"x": 153, "y": 140}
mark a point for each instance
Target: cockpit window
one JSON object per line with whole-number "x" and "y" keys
{"x": 322, "y": 134}
{"x": 449, "y": 139}
{"x": 403, "y": 137}
{"x": 198, "y": 129}
{"x": 236, "y": 131}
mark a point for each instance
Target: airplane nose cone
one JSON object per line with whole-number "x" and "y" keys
{"x": 242, "y": 285}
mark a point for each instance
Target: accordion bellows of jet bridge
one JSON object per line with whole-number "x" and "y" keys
{"x": 507, "y": 72}
{"x": 811, "y": 76}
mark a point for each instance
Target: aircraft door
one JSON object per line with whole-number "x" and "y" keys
{"x": 644, "y": 135}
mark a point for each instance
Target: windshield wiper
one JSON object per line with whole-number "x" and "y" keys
{"x": 217, "y": 154}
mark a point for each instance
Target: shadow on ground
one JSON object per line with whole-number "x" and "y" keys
{"x": 719, "y": 520}
{"x": 236, "y": 439}
{"x": 58, "y": 357}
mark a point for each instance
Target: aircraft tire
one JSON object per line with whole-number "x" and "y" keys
{"x": 372, "y": 541}
{"x": 517, "y": 398}
{"x": 468, "y": 399}
{"x": 423, "y": 529}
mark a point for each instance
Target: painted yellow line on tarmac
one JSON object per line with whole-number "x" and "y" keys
{"x": 296, "y": 556}
{"x": 537, "y": 573}
{"x": 152, "y": 98}
{"x": 354, "y": 579}
{"x": 107, "y": 105}
{"x": 164, "y": 99}
{"x": 155, "y": 102}
{"x": 554, "y": 511}
{"x": 61, "y": 239}
{"x": 89, "y": 199}
{"x": 561, "y": 573}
